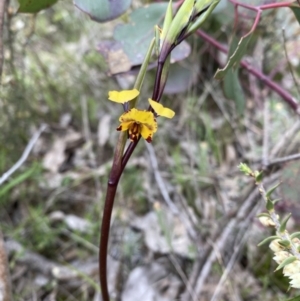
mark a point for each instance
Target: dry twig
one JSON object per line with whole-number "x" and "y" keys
{"x": 286, "y": 137}
{"x": 24, "y": 156}
{"x": 283, "y": 159}
{"x": 266, "y": 129}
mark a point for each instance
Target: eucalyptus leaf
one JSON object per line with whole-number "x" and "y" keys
{"x": 181, "y": 77}
{"x": 233, "y": 90}
{"x": 135, "y": 36}
{"x": 132, "y": 39}
{"x": 296, "y": 10}
{"x": 232, "y": 86}
{"x": 103, "y": 10}
{"x": 235, "y": 57}
{"x": 31, "y": 6}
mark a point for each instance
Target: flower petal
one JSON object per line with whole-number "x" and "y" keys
{"x": 161, "y": 110}
{"x": 146, "y": 134}
{"x": 123, "y": 96}
{"x": 124, "y": 126}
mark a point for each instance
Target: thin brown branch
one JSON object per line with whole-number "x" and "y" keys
{"x": 283, "y": 160}
{"x": 266, "y": 133}
{"x": 286, "y": 96}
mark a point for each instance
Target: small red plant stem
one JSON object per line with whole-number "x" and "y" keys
{"x": 118, "y": 167}
{"x": 105, "y": 228}
{"x": 261, "y": 7}
{"x": 160, "y": 67}
{"x": 287, "y": 97}
{"x": 112, "y": 185}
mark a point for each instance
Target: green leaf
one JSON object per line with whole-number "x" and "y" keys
{"x": 286, "y": 262}
{"x": 235, "y": 57}
{"x": 142, "y": 72}
{"x": 284, "y": 243}
{"x": 270, "y": 191}
{"x": 135, "y": 36}
{"x": 179, "y": 22}
{"x": 103, "y": 10}
{"x": 201, "y": 7}
{"x": 34, "y": 6}
{"x": 263, "y": 214}
{"x": 233, "y": 90}
{"x": 167, "y": 21}
{"x": 294, "y": 235}
{"x": 244, "y": 168}
{"x": 267, "y": 240}
{"x": 17, "y": 180}
{"x": 258, "y": 176}
{"x": 284, "y": 222}
{"x": 296, "y": 10}
{"x": 232, "y": 86}
{"x": 275, "y": 201}
{"x": 132, "y": 40}
{"x": 180, "y": 78}
{"x": 269, "y": 205}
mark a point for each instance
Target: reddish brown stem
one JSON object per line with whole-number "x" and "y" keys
{"x": 286, "y": 96}
{"x": 262, "y": 7}
{"x": 115, "y": 175}
{"x": 109, "y": 203}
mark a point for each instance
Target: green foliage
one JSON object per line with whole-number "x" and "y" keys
{"x": 236, "y": 57}
{"x": 244, "y": 168}
{"x": 205, "y": 8}
{"x": 284, "y": 222}
{"x": 287, "y": 261}
{"x": 103, "y": 10}
{"x": 55, "y": 77}
{"x": 267, "y": 240}
{"x": 295, "y": 234}
{"x": 33, "y": 6}
{"x": 179, "y": 22}
{"x": 296, "y": 10}
{"x": 232, "y": 86}
{"x": 135, "y": 36}
{"x": 271, "y": 190}
{"x": 17, "y": 180}
{"x": 37, "y": 227}
{"x": 259, "y": 177}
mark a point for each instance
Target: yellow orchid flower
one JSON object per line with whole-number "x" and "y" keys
{"x": 160, "y": 109}
{"x": 123, "y": 96}
{"x": 138, "y": 123}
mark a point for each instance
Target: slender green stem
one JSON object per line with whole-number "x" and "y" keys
{"x": 141, "y": 76}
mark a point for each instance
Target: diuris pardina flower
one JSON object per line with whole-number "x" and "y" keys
{"x": 138, "y": 122}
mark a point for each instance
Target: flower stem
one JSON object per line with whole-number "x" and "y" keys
{"x": 119, "y": 164}
{"x": 112, "y": 186}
